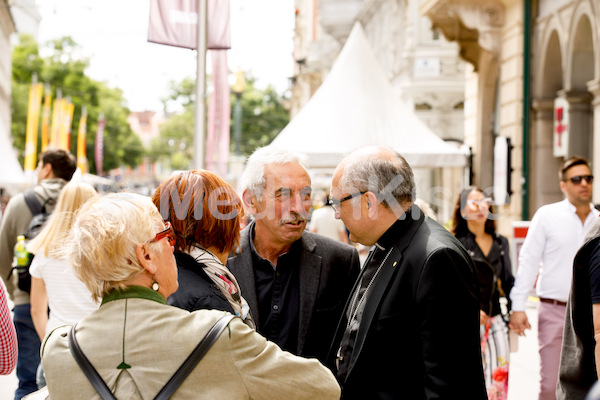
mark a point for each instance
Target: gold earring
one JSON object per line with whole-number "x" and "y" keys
{"x": 155, "y": 286}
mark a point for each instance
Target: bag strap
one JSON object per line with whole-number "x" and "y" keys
{"x": 173, "y": 383}
{"x": 194, "y": 358}
{"x": 32, "y": 202}
{"x": 88, "y": 369}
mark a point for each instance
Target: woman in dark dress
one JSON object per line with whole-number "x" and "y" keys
{"x": 474, "y": 226}
{"x": 205, "y": 213}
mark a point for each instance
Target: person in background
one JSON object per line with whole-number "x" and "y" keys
{"x": 411, "y": 327}
{"x": 207, "y": 228}
{"x": 556, "y": 232}
{"x": 296, "y": 282}
{"x": 123, "y": 252}
{"x": 324, "y": 223}
{"x": 474, "y": 227}
{"x": 580, "y": 353}
{"x": 53, "y": 282}
{"x": 8, "y": 337}
{"x": 54, "y": 170}
{"x": 4, "y": 198}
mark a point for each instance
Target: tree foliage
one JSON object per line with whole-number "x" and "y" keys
{"x": 263, "y": 117}
{"x": 60, "y": 64}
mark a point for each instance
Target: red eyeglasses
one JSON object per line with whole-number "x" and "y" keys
{"x": 167, "y": 233}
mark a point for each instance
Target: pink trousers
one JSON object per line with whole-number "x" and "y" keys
{"x": 551, "y": 320}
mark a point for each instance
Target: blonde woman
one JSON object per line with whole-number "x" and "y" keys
{"x": 53, "y": 282}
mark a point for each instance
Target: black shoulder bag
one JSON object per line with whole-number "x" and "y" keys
{"x": 174, "y": 382}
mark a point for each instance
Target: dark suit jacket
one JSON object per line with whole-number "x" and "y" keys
{"x": 328, "y": 270}
{"x": 419, "y": 333}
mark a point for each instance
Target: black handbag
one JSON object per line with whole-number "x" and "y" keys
{"x": 174, "y": 382}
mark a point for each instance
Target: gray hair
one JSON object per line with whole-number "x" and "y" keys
{"x": 389, "y": 178}
{"x": 253, "y": 177}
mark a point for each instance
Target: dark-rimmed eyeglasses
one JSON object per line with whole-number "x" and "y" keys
{"x": 576, "y": 180}
{"x": 167, "y": 233}
{"x": 336, "y": 203}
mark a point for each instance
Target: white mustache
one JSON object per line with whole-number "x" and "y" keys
{"x": 292, "y": 219}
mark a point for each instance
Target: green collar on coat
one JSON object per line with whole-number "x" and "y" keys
{"x": 134, "y": 292}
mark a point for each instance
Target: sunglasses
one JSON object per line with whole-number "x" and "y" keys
{"x": 167, "y": 233}
{"x": 576, "y": 180}
{"x": 483, "y": 202}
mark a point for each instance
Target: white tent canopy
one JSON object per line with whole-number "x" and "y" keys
{"x": 356, "y": 107}
{"x": 11, "y": 173}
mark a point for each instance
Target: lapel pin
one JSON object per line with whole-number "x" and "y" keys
{"x": 395, "y": 262}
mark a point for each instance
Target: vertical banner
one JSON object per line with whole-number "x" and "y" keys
{"x": 99, "y": 153}
{"x": 33, "y": 118}
{"x": 218, "y": 32}
{"x": 81, "y": 156}
{"x": 219, "y": 110}
{"x": 57, "y": 112}
{"x": 65, "y": 126}
{"x": 175, "y": 23}
{"x": 46, "y": 118}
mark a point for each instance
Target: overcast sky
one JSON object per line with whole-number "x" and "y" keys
{"x": 113, "y": 34}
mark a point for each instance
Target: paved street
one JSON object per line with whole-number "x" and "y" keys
{"x": 524, "y": 374}
{"x": 523, "y": 378}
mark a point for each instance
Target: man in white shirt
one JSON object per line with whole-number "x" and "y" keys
{"x": 556, "y": 232}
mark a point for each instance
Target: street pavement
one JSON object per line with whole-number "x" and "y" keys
{"x": 524, "y": 368}
{"x": 523, "y": 381}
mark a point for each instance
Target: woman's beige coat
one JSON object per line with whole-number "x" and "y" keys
{"x": 154, "y": 339}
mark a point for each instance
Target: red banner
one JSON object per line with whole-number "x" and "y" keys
{"x": 219, "y": 109}
{"x": 99, "y": 153}
{"x": 175, "y": 23}
{"x": 218, "y": 34}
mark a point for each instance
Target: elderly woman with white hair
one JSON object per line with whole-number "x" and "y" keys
{"x": 121, "y": 249}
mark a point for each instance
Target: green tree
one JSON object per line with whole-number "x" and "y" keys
{"x": 174, "y": 145}
{"x": 63, "y": 68}
{"x": 263, "y": 117}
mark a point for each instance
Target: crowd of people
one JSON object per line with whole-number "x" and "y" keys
{"x": 129, "y": 294}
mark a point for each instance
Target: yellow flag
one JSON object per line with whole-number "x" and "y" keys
{"x": 33, "y": 118}
{"x": 57, "y": 112}
{"x": 81, "y": 156}
{"x": 46, "y": 118}
{"x": 65, "y": 127}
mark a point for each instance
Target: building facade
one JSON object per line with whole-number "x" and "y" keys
{"x": 423, "y": 68}
{"x": 533, "y": 77}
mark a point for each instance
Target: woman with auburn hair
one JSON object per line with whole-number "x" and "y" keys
{"x": 476, "y": 230}
{"x": 205, "y": 213}
{"x": 123, "y": 251}
{"x": 53, "y": 283}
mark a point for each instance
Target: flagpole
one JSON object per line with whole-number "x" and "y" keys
{"x": 200, "y": 110}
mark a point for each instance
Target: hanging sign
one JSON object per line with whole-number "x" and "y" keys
{"x": 561, "y": 127}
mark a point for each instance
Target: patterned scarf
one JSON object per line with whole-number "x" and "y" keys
{"x": 225, "y": 281}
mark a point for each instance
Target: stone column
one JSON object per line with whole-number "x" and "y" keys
{"x": 594, "y": 89}
{"x": 544, "y": 187}
{"x": 580, "y": 137}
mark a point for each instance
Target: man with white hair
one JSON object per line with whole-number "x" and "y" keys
{"x": 296, "y": 282}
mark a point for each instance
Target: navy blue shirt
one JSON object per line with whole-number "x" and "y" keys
{"x": 278, "y": 295}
